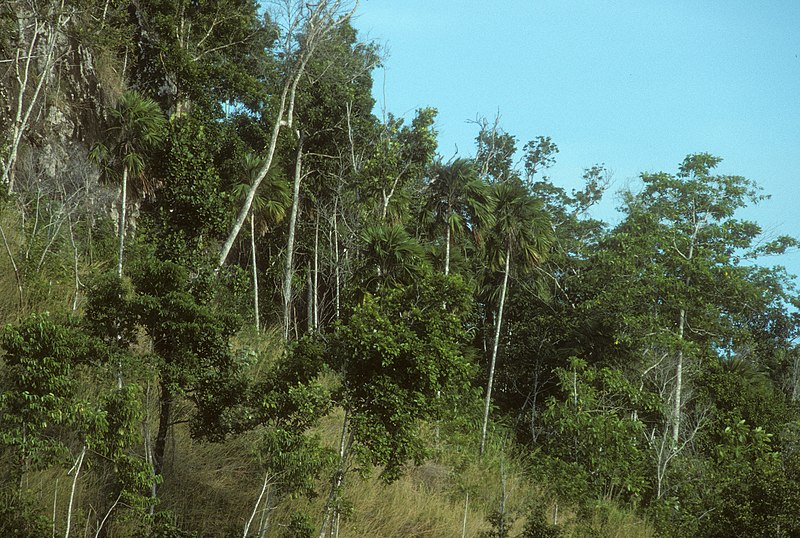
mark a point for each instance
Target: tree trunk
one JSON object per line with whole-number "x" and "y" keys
{"x": 287, "y": 270}
{"x": 447, "y": 253}
{"x": 316, "y": 274}
{"x": 466, "y": 511}
{"x": 122, "y": 213}
{"x": 676, "y": 419}
{"x": 74, "y": 265}
{"x": 331, "y": 508}
{"x": 309, "y": 300}
{"x": 255, "y": 273}
{"x": 336, "y": 257}
{"x": 499, "y": 321}
{"x": 255, "y": 508}
{"x": 502, "y": 530}
{"x": 15, "y": 267}
{"x": 77, "y": 469}
{"x": 164, "y": 418}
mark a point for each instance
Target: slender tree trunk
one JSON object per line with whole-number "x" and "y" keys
{"x": 164, "y": 418}
{"x": 24, "y": 76}
{"x": 55, "y": 504}
{"x": 678, "y": 404}
{"x": 15, "y": 268}
{"x": 309, "y": 299}
{"x": 122, "y": 213}
{"x": 75, "y": 264}
{"x": 336, "y": 256}
{"x": 331, "y": 505}
{"x": 499, "y": 321}
{"x": 266, "y": 512}
{"x": 502, "y": 529}
{"x": 447, "y": 253}
{"x": 316, "y": 274}
{"x": 255, "y": 508}
{"x": 288, "y": 267}
{"x": 676, "y": 419}
{"x": 105, "y": 518}
{"x": 251, "y": 194}
{"x": 466, "y": 511}
{"x": 255, "y": 273}
{"x": 77, "y": 469}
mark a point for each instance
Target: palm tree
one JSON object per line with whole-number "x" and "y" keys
{"x": 522, "y": 229}
{"x": 390, "y": 256}
{"x": 458, "y": 200}
{"x": 137, "y": 126}
{"x": 268, "y": 207}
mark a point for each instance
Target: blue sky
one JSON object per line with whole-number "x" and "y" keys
{"x": 636, "y": 85}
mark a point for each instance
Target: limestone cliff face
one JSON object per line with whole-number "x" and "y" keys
{"x": 51, "y": 96}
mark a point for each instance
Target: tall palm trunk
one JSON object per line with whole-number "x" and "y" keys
{"x": 499, "y": 321}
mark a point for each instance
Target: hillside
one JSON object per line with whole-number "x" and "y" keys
{"x": 236, "y": 302}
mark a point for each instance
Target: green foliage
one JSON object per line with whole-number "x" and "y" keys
{"x": 19, "y": 517}
{"x": 47, "y": 413}
{"x": 396, "y": 166}
{"x": 748, "y": 491}
{"x": 191, "y": 341}
{"x": 457, "y": 201}
{"x": 536, "y": 525}
{"x": 202, "y": 53}
{"x": 522, "y": 227}
{"x": 595, "y": 435}
{"x": 673, "y": 283}
{"x": 396, "y": 352}
{"x": 391, "y": 257}
{"x": 41, "y": 398}
{"x": 136, "y": 127}
{"x": 188, "y": 209}
{"x": 300, "y": 526}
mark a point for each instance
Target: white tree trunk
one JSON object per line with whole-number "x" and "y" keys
{"x": 466, "y": 511}
{"x": 316, "y": 274}
{"x": 331, "y": 508}
{"x": 255, "y": 508}
{"x": 122, "y": 214}
{"x": 336, "y": 257}
{"x": 499, "y": 321}
{"x": 447, "y": 253}
{"x": 288, "y": 265}
{"x": 77, "y": 469}
{"x": 255, "y": 273}
{"x": 676, "y": 412}
{"x": 678, "y": 403}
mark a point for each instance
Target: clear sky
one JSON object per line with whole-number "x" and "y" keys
{"x": 634, "y": 84}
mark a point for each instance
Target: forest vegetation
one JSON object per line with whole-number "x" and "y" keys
{"x": 237, "y": 300}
